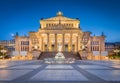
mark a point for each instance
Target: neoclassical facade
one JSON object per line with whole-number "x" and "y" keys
{"x": 63, "y": 31}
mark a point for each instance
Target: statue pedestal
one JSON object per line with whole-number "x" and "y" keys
{"x": 59, "y": 55}
{"x": 59, "y": 58}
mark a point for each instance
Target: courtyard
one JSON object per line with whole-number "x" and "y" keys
{"x": 82, "y": 71}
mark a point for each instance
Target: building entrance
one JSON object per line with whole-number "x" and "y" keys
{"x": 53, "y": 47}
{"x": 66, "y": 47}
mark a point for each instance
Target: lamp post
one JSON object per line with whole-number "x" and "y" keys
{"x": 3, "y": 51}
{"x": 116, "y": 51}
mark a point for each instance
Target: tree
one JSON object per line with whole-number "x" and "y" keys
{"x": 116, "y": 55}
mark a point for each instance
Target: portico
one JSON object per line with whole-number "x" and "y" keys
{"x": 68, "y": 41}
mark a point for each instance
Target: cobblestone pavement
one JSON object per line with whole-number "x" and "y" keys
{"x": 82, "y": 71}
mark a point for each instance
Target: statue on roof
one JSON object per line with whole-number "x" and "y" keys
{"x": 59, "y": 13}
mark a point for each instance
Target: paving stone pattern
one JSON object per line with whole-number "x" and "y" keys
{"x": 81, "y": 71}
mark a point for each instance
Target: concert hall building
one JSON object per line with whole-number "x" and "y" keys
{"x": 60, "y": 30}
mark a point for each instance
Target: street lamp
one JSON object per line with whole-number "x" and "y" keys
{"x": 116, "y": 51}
{"x": 3, "y": 51}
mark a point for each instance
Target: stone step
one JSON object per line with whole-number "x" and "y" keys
{"x": 53, "y": 54}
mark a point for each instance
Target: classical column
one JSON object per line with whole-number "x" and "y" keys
{"x": 48, "y": 42}
{"x": 76, "y": 43}
{"x": 42, "y": 43}
{"x": 63, "y": 43}
{"x": 39, "y": 43}
{"x": 56, "y": 42}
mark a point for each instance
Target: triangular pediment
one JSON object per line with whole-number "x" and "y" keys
{"x": 60, "y": 18}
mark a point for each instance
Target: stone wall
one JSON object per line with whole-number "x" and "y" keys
{"x": 91, "y": 56}
{"x": 99, "y": 57}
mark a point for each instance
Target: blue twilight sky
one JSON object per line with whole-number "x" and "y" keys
{"x": 95, "y": 15}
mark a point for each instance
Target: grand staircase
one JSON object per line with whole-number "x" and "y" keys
{"x": 66, "y": 54}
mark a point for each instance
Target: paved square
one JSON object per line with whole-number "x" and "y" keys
{"x": 93, "y": 67}
{"x": 115, "y": 66}
{"x": 12, "y": 74}
{"x": 109, "y": 75}
{"x": 38, "y": 72}
{"x": 3, "y": 66}
{"x": 59, "y": 67}
{"x": 56, "y": 75}
{"x": 25, "y": 67}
